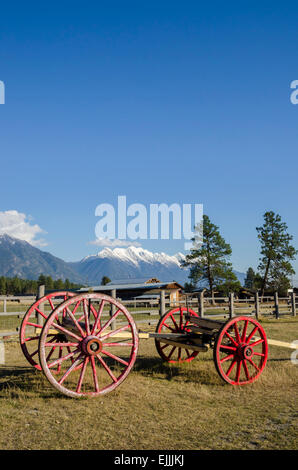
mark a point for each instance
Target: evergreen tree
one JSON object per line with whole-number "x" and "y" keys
{"x": 2, "y": 285}
{"x": 249, "y": 281}
{"x": 58, "y": 284}
{"x": 209, "y": 259}
{"x": 276, "y": 253}
{"x": 49, "y": 283}
{"x": 105, "y": 280}
{"x": 42, "y": 280}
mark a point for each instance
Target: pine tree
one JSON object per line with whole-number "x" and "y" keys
{"x": 276, "y": 253}
{"x": 2, "y": 285}
{"x": 105, "y": 280}
{"x": 209, "y": 259}
{"x": 249, "y": 281}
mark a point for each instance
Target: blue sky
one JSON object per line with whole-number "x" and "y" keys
{"x": 164, "y": 102}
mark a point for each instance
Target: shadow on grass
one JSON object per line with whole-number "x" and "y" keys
{"x": 20, "y": 380}
{"x": 155, "y": 368}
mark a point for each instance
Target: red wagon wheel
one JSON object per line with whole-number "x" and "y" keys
{"x": 100, "y": 356}
{"x": 174, "y": 322}
{"x": 240, "y": 351}
{"x": 30, "y": 328}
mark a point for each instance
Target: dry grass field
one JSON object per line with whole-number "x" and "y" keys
{"x": 159, "y": 406}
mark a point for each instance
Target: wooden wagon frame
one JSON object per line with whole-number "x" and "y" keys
{"x": 82, "y": 353}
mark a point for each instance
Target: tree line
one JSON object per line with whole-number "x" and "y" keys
{"x": 209, "y": 259}
{"x": 17, "y": 286}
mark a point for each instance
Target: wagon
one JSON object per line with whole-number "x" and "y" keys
{"x": 86, "y": 343}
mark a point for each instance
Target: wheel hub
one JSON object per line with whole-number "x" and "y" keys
{"x": 248, "y": 352}
{"x": 244, "y": 351}
{"x": 91, "y": 345}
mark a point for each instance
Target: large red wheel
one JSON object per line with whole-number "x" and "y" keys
{"x": 240, "y": 351}
{"x": 174, "y": 322}
{"x": 31, "y": 328}
{"x": 100, "y": 356}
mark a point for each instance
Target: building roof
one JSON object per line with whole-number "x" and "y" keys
{"x": 143, "y": 280}
{"x": 134, "y": 286}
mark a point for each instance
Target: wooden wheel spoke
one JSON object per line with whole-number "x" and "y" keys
{"x": 86, "y": 307}
{"x": 227, "y": 358}
{"x": 66, "y": 331}
{"x": 226, "y": 346}
{"x": 106, "y": 367}
{"x": 50, "y": 353}
{"x": 237, "y": 333}
{"x": 34, "y": 353}
{"x": 253, "y": 364}
{"x": 70, "y": 369}
{"x": 107, "y": 324}
{"x": 231, "y": 338}
{"x": 174, "y": 321}
{"x": 79, "y": 386}
{"x": 246, "y": 370}
{"x": 35, "y": 325}
{"x": 78, "y": 326}
{"x": 33, "y": 338}
{"x": 94, "y": 373}
{"x": 62, "y": 359}
{"x": 259, "y": 341}
{"x": 117, "y": 343}
{"x": 243, "y": 336}
{"x": 41, "y": 313}
{"x": 169, "y": 327}
{"x": 231, "y": 367}
{"x": 179, "y": 354}
{"x": 251, "y": 334}
{"x": 113, "y": 356}
{"x": 171, "y": 352}
{"x": 181, "y": 319}
{"x": 114, "y": 332}
{"x": 97, "y": 321}
{"x": 238, "y": 371}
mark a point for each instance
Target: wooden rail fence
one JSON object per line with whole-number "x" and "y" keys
{"x": 219, "y": 307}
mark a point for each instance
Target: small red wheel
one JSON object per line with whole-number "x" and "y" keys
{"x": 30, "y": 328}
{"x": 240, "y": 351}
{"x": 99, "y": 356}
{"x": 174, "y": 322}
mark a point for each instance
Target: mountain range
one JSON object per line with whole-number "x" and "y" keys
{"x": 19, "y": 258}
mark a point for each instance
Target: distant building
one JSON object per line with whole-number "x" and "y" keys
{"x": 129, "y": 289}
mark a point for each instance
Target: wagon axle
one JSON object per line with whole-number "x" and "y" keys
{"x": 82, "y": 354}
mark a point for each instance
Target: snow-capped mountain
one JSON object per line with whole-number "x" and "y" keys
{"x": 131, "y": 263}
{"x": 19, "y": 258}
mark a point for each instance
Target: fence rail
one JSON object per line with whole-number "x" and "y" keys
{"x": 218, "y": 307}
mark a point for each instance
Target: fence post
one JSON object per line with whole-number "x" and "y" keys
{"x": 113, "y": 309}
{"x": 162, "y": 303}
{"x": 40, "y": 294}
{"x": 2, "y": 352}
{"x": 293, "y": 303}
{"x": 276, "y": 305}
{"x": 201, "y": 304}
{"x": 231, "y": 304}
{"x": 4, "y": 305}
{"x": 257, "y": 305}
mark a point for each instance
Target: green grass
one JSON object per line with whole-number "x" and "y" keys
{"x": 159, "y": 406}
